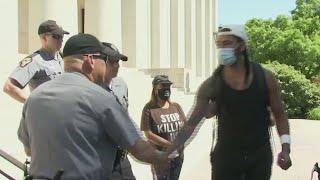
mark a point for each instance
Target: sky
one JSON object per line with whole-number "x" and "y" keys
{"x": 239, "y": 11}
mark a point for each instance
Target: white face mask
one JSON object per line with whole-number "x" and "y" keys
{"x": 226, "y": 56}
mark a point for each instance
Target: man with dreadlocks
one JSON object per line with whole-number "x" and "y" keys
{"x": 239, "y": 93}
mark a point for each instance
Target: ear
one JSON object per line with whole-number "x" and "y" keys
{"x": 43, "y": 37}
{"x": 88, "y": 64}
{"x": 242, "y": 47}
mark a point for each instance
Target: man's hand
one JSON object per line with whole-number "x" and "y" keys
{"x": 163, "y": 157}
{"x": 145, "y": 152}
{"x": 284, "y": 160}
{"x": 161, "y": 168}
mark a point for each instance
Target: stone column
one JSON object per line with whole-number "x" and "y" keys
{"x": 200, "y": 37}
{"x": 177, "y": 41}
{"x": 136, "y": 33}
{"x": 103, "y": 19}
{"x": 209, "y": 61}
{"x": 214, "y": 16}
{"x": 160, "y": 33}
{"x": 190, "y": 37}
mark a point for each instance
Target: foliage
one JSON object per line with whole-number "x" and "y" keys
{"x": 292, "y": 40}
{"x": 298, "y": 93}
{"x": 314, "y": 114}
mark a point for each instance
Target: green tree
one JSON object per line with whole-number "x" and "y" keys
{"x": 293, "y": 40}
{"x": 299, "y": 94}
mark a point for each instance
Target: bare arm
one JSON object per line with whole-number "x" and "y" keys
{"x": 278, "y": 108}
{"x": 200, "y": 110}
{"x": 145, "y": 152}
{"x": 14, "y": 89}
{"x": 211, "y": 110}
{"x": 27, "y": 151}
{"x": 157, "y": 139}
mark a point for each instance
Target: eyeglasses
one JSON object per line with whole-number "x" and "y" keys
{"x": 98, "y": 56}
{"x": 55, "y": 36}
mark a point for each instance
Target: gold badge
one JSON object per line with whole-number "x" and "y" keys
{"x": 25, "y": 61}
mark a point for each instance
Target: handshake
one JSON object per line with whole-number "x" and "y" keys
{"x": 165, "y": 157}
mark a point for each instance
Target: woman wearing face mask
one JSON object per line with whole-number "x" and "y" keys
{"x": 161, "y": 121}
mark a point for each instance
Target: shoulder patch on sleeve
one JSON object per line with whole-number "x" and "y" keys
{"x": 25, "y": 61}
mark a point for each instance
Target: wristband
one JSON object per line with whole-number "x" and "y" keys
{"x": 285, "y": 138}
{"x": 174, "y": 154}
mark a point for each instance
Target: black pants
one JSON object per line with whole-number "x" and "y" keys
{"x": 171, "y": 173}
{"x": 242, "y": 165}
{"x": 122, "y": 171}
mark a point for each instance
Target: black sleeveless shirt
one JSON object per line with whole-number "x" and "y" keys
{"x": 243, "y": 118}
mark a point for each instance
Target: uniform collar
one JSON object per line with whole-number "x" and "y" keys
{"x": 47, "y": 56}
{"x": 106, "y": 87}
{"x": 76, "y": 73}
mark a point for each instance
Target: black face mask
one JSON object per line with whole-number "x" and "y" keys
{"x": 164, "y": 93}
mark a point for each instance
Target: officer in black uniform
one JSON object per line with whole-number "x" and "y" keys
{"x": 40, "y": 66}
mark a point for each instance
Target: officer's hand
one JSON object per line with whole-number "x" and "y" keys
{"x": 163, "y": 157}
{"x": 284, "y": 160}
{"x": 161, "y": 168}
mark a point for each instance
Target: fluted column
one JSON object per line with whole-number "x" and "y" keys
{"x": 103, "y": 19}
{"x": 160, "y": 33}
{"x": 143, "y": 34}
{"x": 177, "y": 40}
{"x": 214, "y": 16}
{"x": 200, "y": 38}
{"x": 190, "y": 38}
{"x": 136, "y": 33}
{"x": 209, "y": 61}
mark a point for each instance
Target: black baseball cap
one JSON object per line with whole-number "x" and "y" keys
{"x": 83, "y": 44}
{"x": 161, "y": 79}
{"x": 113, "y": 52}
{"x": 50, "y": 26}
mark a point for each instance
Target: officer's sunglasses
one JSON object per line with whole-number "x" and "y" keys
{"x": 98, "y": 56}
{"x": 55, "y": 36}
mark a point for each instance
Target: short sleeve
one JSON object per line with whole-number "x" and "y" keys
{"x": 25, "y": 71}
{"x": 145, "y": 124}
{"x": 23, "y": 133}
{"x": 119, "y": 125}
{"x": 120, "y": 89}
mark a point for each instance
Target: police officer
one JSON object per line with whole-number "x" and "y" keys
{"x": 40, "y": 66}
{"x": 81, "y": 126}
{"x": 117, "y": 86}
